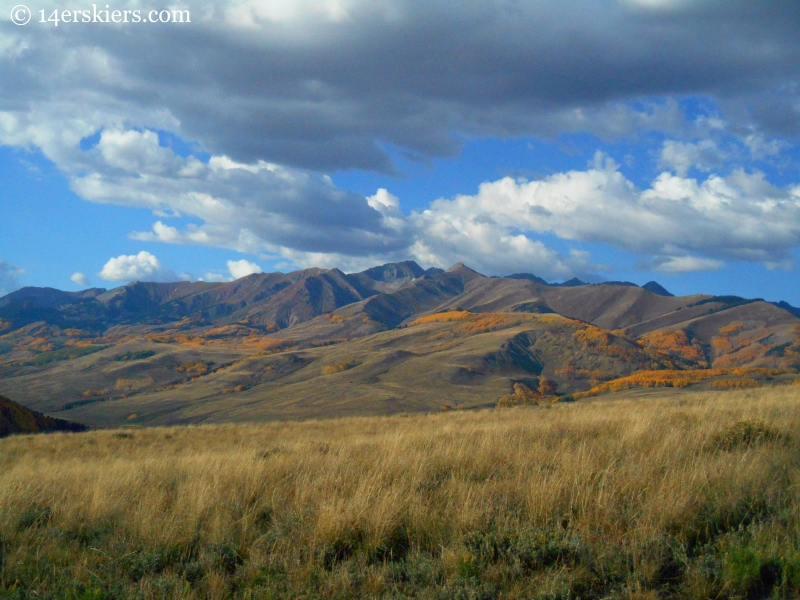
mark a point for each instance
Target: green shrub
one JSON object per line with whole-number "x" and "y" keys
{"x": 744, "y": 434}
{"x": 71, "y": 353}
{"x": 141, "y": 355}
{"x": 749, "y": 569}
{"x": 34, "y": 517}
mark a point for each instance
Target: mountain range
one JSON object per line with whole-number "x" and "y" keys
{"x": 393, "y": 338}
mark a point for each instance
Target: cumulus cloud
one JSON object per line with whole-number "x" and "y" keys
{"x": 242, "y": 268}
{"x": 329, "y": 85}
{"x": 80, "y": 279}
{"x": 684, "y": 264}
{"x": 303, "y": 217}
{"x": 280, "y": 92}
{"x": 9, "y": 277}
{"x": 136, "y": 267}
{"x": 739, "y": 217}
{"x": 137, "y": 152}
{"x": 252, "y": 208}
{"x": 704, "y": 155}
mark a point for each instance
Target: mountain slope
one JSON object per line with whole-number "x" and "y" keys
{"x": 394, "y": 338}
{"x": 15, "y": 418}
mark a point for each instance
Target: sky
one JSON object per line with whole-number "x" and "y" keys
{"x": 600, "y": 139}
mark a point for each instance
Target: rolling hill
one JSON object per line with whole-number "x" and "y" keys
{"x": 394, "y": 338}
{"x": 15, "y": 418}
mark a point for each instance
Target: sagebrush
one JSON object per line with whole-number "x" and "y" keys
{"x": 690, "y": 496}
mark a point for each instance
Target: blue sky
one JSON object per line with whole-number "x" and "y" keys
{"x": 284, "y": 135}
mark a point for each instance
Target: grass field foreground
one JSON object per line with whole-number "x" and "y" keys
{"x": 696, "y": 496}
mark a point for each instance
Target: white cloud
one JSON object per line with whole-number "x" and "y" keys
{"x": 9, "y": 277}
{"x": 685, "y": 264}
{"x": 282, "y": 212}
{"x": 452, "y": 231}
{"x": 137, "y": 267}
{"x": 214, "y": 278}
{"x": 80, "y": 279}
{"x": 242, "y": 268}
{"x": 761, "y": 148}
{"x": 309, "y": 111}
{"x": 739, "y": 217}
{"x": 252, "y": 208}
{"x": 682, "y": 156}
{"x": 136, "y": 152}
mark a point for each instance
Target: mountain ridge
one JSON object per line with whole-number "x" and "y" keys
{"x": 391, "y": 338}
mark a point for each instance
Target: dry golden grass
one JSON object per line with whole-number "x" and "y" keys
{"x": 735, "y": 384}
{"x": 603, "y": 499}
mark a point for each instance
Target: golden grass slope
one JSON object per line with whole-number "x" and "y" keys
{"x": 690, "y": 496}
{"x": 457, "y": 359}
{"x": 453, "y": 358}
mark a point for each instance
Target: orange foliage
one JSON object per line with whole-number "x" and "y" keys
{"x": 731, "y": 329}
{"x": 546, "y": 387}
{"x": 670, "y": 378}
{"x": 238, "y": 388}
{"x": 569, "y": 372}
{"x": 744, "y": 355}
{"x": 229, "y": 330}
{"x": 4, "y": 325}
{"x": 721, "y": 344}
{"x": 228, "y": 336}
{"x": 592, "y": 336}
{"x": 276, "y": 343}
{"x": 71, "y": 332}
{"x": 90, "y": 393}
{"x": 180, "y": 338}
{"x": 487, "y": 322}
{"x": 757, "y": 371}
{"x": 199, "y": 366}
{"x": 666, "y": 378}
{"x": 524, "y": 395}
{"x": 672, "y": 342}
{"x": 474, "y": 323}
{"x": 38, "y": 345}
{"x": 551, "y": 319}
{"x": 79, "y": 343}
{"x": 443, "y": 317}
{"x": 748, "y": 348}
{"x": 338, "y": 368}
{"x": 335, "y": 318}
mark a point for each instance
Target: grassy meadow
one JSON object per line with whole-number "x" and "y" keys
{"x": 677, "y": 495}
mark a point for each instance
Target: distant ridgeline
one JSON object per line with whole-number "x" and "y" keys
{"x": 15, "y": 418}
{"x": 393, "y": 338}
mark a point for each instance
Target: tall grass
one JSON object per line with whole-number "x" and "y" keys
{"x": 693, "y": 495}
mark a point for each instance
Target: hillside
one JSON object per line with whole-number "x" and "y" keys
{"x": 390, "y": 339}
{"x": 684, "y": 495}
{"x": 15, "y": 418}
